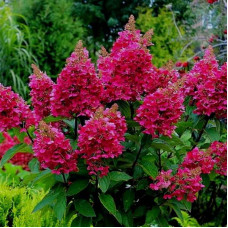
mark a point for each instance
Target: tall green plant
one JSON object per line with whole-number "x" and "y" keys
{"x": 54, "y": 31}
{"x": 168, "y": 38}
{"x": 15, "y": 52}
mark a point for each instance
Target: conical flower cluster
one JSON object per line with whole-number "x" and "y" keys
{"x": 14, "y": 112}
{"x": 78, "y": 90}
{"x": 207, "y": 84}
{"x": 127, "y": 72}
{"x": 100, "y": 138}
{"x": 41, "y": 88}
{"x": 53, "y": 150}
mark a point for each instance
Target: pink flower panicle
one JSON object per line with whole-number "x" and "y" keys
{"x": 53, "y": 150}
{"x": 19, "y": 158}
{"x": 160, "y": 111}
{"x": 167, "y": 75}
{"x": 127, "y": 72}
{"x": 100, "y": 138}
{"x": 163, "y": 180}
{"x": 198, "y": 158}
{"x": 185, "y": 183}
{"x": 207, "y": 84}
{"x": 14, "y": 112}
{"x": 41, "y": 86}
{"x": 78, "y": 90}
{"x": 219, "y": 151}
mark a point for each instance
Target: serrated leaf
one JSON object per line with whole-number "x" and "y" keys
{"x": 149, "y": 168}
{"x": 128, "y": 199}
{"x": 84, "y": 208}
{"x": 104, "y": 183}
{"x": 119, "y": 176}
{"x": 77, "y": 186}
{"x": 22, "y": 147}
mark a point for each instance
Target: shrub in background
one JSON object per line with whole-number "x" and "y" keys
{"x": 54, "y": 31}
{"x": 15, "y": 50}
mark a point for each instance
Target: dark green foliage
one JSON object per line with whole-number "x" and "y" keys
{"x": 54, "y": 31}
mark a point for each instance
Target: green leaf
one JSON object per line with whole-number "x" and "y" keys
{"x": 77, "y": 186}
{"x": 51, "y": 119}
{"x": 133, "y": 138}
{"x": 149, "y": 168}
{"x": 60, "y": 206}
{"x": 161, "y": 144}
{"x": 124, "y": 108}
{"x": 119, "y": 176}
{"x": 151, "y": 215}
{"x": 132, "y": 123}
{"x": 104, "y": 183}
{"x": 146, "y": 140}
{"x": 81, "y": 221}
{"x": 213, "y": 134}
{"x": 47, "y": 200}
{"x": 84, "y": 208}
{"x": 127, "y": 219}
{"x": 70, "y": 123}
{"x": 22, "y": 147}
{"x": 34, "y": 165}
{"x": 109, "y": 203}
{"x": 128, "y": 199}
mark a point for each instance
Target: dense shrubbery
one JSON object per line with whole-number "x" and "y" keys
{"x": 127, "y": 143}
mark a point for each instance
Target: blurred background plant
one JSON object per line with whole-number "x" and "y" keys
{"x": 15, "y": 49}
{"x": 45, "y": 32}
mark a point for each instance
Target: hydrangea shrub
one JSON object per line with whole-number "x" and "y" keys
{"x": 126, "y": 143}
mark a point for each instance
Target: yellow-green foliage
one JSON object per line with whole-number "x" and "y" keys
{"x": 168, "y": 44}
{"x": 187, "y": 221}
{"x": 16, "y": 205}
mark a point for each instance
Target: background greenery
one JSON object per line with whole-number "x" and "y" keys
{"x": 45, "y": 32}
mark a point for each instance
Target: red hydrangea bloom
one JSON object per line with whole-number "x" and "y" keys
{"x": 197, "y": 158}
{"x": 100, "y": 139}
{"x": 166, "y": 76}
{"x": 127, "y": 72}
{"x": 185, "y": 183}
{"x": 13, "y": 110}
{"x": 208, "y": 86}
{"x": 211, "y": 1}
{"x": 196, "y": 58}
{"x": 53, "y": 150}
{"x": 163, "y": 180}
{"x": 160, "y": 111}
{"x": 78, "y": 90}
{"x": 41, "y": 86}
{"x": 19, "y": 158}
{"x": 219, "y": 150}
{"x": 178, "y": 64}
